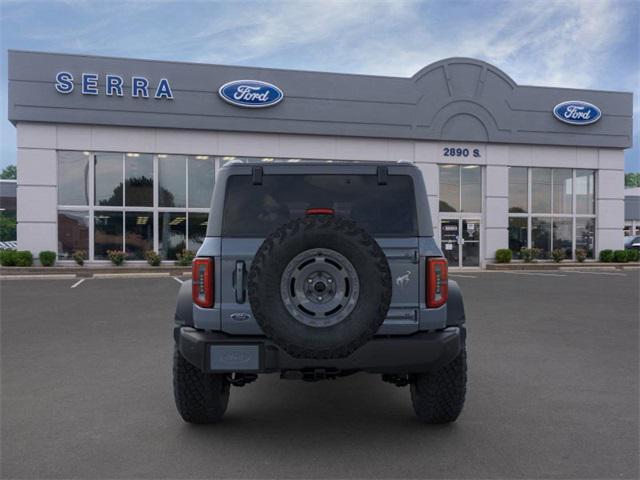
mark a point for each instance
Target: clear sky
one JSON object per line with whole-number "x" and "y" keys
{"x": 566, "y": 43}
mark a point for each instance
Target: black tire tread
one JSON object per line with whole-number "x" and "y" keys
{"x": 200, "y": 397}
{"x": 438, "y": 397}
{"x": 321, "y": 223}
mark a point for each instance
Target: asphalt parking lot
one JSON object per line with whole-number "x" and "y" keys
{"x": 552, "y": 393}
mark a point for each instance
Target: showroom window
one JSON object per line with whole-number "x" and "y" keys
{"x": 133, "y": 202}
{"x": 460, "y": 188}
{"x": 551, "y": 208}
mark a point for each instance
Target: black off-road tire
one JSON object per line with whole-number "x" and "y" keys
{"x": 438, "y": 397}
{"x": 200, "y": 397}
{"x": 345, "y": 237}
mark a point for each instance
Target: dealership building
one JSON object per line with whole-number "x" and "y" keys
{"x": 117, "y": 153}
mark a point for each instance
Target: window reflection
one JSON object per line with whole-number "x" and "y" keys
{"x": 541, "y": 190}
{"x": 138, "y": 234}
{"x": 562, "y": 190}
{"x": 107, "y": 232}
{"x": 518, "y": 190}
{"x": 585, "y": 191}
{"x": 585, "y": 235}
{"x": 197, "y": 230}
{"x": 471, "y": 181}
{"x": 108, "y": 179}
{"x": 73, "y": 178}
{"x": 138, "y": 169}
{"x": 201, "y": 178}
{"x": 541, "y": 235}
{"x": 449, "y": 188}
{"x": 562, "y": 235}
{"x": 517, "y": 235}
{"x": 172, "y": 178}
{"x": 73, "y": 232}
{"x": 172, "y": 230}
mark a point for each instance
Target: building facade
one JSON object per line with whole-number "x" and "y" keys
{"x": 122, "y": 154}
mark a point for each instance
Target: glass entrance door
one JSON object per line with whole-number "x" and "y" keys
{"x": 460, "y": 241}
{"x": 449, "y": 235}
{"x": 470, "y": 243}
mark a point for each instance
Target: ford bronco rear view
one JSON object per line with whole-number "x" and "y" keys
{"x": 316, "y": 271}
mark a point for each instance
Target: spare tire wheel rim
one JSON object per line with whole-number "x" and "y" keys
{"x": 320, "y": 287}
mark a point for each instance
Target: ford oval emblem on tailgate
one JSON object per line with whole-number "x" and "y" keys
{"x": 250, "y": 93}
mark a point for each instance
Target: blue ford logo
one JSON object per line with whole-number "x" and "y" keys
{"x": 576, "y": 112}
{"x": 250, "y": 93}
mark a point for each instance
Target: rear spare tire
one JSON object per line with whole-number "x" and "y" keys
{"x": 320, "y": 286}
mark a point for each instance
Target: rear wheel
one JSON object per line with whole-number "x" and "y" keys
{"x": 200, "y": 397}
{"x": 438, "y": 397}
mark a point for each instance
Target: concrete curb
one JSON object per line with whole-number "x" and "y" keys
{"x": 90, "y": 272}
{"x": 562, "y": 266}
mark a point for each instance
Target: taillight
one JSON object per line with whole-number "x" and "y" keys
{"x": 319, "y": 211}
{"x": 437, "y": 282}
{"x": 202, "y": 282}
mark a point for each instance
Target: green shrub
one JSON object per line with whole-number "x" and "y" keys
{"x": 153, "y": 258}
{"x": 47, "y": 258}
{"x": 8, "y": 258}
{"x": 558, "y": 255}
{"x": 581, "y": 254}
{"x": 633, "y": 255}
{"x": 24, "y": 258}
{"x": 117, "y": 257}
{"x": 185, "y": 257}
{"x": 80, "y": 256}
{"x": 503, "y": 255}
{"x": 606, "y": 256}
{"x": 620, "y": 256}
{"x": 526, "y": 254}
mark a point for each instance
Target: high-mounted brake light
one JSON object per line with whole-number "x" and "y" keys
{"x": 319, "y": 211}
{"x": 202, "y": 282}
{"x": 437, "y": 282}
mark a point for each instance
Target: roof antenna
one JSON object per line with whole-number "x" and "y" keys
{"x": 383, "y": 173}
{"x": 256, "y": 175}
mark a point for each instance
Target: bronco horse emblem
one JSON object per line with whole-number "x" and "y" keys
{"x": 403, "y": 280}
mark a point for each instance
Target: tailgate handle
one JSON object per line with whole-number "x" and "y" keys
{"x": 238, "y": 278}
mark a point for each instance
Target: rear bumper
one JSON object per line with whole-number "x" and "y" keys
{"x": 420, "y": 352}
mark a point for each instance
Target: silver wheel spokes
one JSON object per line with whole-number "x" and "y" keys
{"x": 319, "y": 287}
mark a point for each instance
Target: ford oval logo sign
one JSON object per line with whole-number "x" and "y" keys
{"x": 251, "y": 93}
{"x": 577, "y": 112}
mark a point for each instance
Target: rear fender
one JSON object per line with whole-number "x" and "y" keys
{"x": 455, "y": 306}
{"x": 184, "y": 306}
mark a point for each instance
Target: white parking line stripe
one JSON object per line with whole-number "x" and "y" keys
{"x": 598, "y": 273}
{"x": 178, "y": 280}
{"x": 538, "y": 274}
{"x": 78, "y": 283}
{"x": 463, "y": 276}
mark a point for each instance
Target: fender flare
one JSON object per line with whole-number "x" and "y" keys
{"x": 455, "y": 306}
{"x": 184, "y": 305}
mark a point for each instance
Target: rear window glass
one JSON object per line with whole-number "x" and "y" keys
{"x": 257, "y": 210}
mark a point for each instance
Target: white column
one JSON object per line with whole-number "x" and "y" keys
{"x": 37, "y": 188}
{"x": 610, "y": 200}
{"x": 496, "y": 210}
{"x": 431, "y": 177}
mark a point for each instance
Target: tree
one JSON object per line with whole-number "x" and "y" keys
{"x": 9, "y": 172}
{"x": 632, "y": 179}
